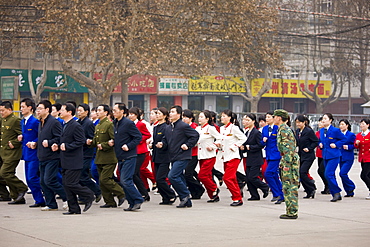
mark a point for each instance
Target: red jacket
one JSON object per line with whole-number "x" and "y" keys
{"x": 363, "y": 147}
{"x": 194, "y": 151}
{"x": 142, "y": 147}
{"x": 318, "y": 150}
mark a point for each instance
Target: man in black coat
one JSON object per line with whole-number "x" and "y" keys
{"x": 180, "y": 138}
{"x": 71, "y": 157}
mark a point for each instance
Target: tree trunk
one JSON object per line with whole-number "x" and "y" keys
{"x": 124, "y": 92}
{"x": 319, "y": 108}
{"x": 254, "y": 105}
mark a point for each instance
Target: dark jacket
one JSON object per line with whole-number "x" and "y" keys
{"x": 89, "y": 128}
{"x": 30, "y": 134}
{"x": 125, "y": 132}
{"x": 160, "y": 155}
{"x": 179, "y": 133}
{"x": 10, "y": 130}
{"x": 254, "y": 154}
{"x": 306, "y": 139}
{"x": 50, "y": 130}
{"x": 74, "y": 138}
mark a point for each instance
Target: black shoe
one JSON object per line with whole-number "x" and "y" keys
{"x": 37, "y": 205}
{"x": 253, "y": 199}
{"x": 165, "y": 203}
{"x": 275, "y": 198}
{"x": 236, "y": 203}
{"x": 88, "y": 205}
{"x": 310, "y": 195}
{"x": 70, "y": 213}
{"x": 20, "y": 196}
{"x": 220, "y": 182}
{"x": 265, "y": 193}
{"x": 184, "y": 201}
{"x": 146, "y": 198}
{"x": 214, "y": 199}
{"x": 22, "y": 201}
{"x": 287, "y": 217}
{"x": 350, "y": 193}
{"x": 108, "y": 206}
{"x": 215, "y": 193}
{"x": 137, "y": 206}
{"x": 2, "y": 199}
{"x": 325, "y": 192}
{"x": 336, "y": 197}
{"x": 97, "y": 198}
{"x": 121, "y": 201}
{"x": 154, "y": 187}
{"x": 188, "y": 204}
{"x": 127, "y": 209}
{"x": 279, "y": 201}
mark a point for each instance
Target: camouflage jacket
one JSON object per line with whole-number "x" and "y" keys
{"x": 286, "y": 143}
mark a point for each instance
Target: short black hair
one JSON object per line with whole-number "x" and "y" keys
{"x": 57, "y": 106}
{"x": 29, "y": 102}
{"x": 122, "y": 106}
{"x": 135, "y": 110}
{"x": 86, "y": 107}
{"x": 7, "y": 104}
{"x": 72, "y": 102}
{"x": 346, "y": 122}
{"x": 70, "y": 107}
{"x": 178, "y": 109}
{"x": 46, "y": 103}
{"x": 188, "y": 113}
{"x": 106, "y": 108}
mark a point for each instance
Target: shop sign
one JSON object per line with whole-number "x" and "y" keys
{"x": 169, "y": 85}
{"x": 215, "y": 85}
{"x": 139, "y": 84}
{"x": 9, "y": 88}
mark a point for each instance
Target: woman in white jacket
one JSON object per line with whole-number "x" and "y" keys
{"x": 232, "y": 139}
{"x": 209, "y": 137}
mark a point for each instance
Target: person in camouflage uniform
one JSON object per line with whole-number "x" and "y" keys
{"x": 289, "y": 164}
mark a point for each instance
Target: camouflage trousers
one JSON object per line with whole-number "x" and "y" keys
{"x": 290, "y": 181}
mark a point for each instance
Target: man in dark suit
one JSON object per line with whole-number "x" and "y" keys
{"x": 71, "y": 158}
{"x": 181, "y": 138}
{"x": 83, "y": 112}
{"x": 30, "y": 127}
{"x": 11, "y": 152}
{"x": 253, "y": 148}
{"x": 126, "y": 138}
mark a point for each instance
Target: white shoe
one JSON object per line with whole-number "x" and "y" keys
{"x": 368, "y": 198}
{"x": 65, "y": 206}
{"x": 48, "y": 209}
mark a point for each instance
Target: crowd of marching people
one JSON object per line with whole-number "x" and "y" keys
{"x": 82, "y": 155}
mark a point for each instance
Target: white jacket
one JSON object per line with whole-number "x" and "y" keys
{"x": 208, "y": 137}
{"x": 232, "y": 139}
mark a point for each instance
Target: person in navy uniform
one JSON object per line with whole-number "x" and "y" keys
{"x": 30, "y": 126}
{"x": 71, "y": 145}
{"x": 181, "y": 139}
{"x": 331, "y": 140}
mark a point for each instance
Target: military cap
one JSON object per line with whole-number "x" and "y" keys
{"x": 281, "y": 113}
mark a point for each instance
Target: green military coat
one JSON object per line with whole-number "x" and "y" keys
{"x": 104, "y": 133}
{"x": 10, "y": 129}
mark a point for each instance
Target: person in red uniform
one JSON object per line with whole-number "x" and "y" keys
{"x": 362, "y": 142}
{"x": 142, "y": 150}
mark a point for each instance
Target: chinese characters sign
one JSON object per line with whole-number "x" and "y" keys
{"x": 140, "y": 84}
{"x": 173, "y": 85}
{"x": 289, "y": 88}
{"x": 9, "y": 87}
{"x": 216, "y": 85}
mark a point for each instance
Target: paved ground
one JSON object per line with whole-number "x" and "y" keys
{"x": 320, "y": 223}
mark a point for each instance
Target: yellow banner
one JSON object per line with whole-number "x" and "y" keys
{"x": 287, "y": 88}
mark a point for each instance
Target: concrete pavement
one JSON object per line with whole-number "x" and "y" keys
{"x": 257, "y": 223}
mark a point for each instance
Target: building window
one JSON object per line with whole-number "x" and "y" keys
{"x": 195, "y": 103}
{"x": 299, "y": 107}
{"x": 165, "y": 101}
{"x": 275, "y": 104}
{"x": 222, "y": 103}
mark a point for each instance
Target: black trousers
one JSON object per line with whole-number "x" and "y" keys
{"x": 137, "y": 179}
{"x": 161, "y": 173}
{"x": 73, "y": 188}
{"x": 321, "y": 172}
{"x": 307, "y": 183}
{"x": 191, "y": 177}
{"x": 219, "y": 175}
{"x": 365, "y": 173}
{"x": 85, "y": 179}
{"x": 253, "y": 182}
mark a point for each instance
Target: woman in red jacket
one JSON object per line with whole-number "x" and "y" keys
{"x": 142, "y": 150}
{"x": 362, "y": 142}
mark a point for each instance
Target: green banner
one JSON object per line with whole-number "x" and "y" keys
{"x": 55, "y": 79}
{"x": 9, "y": 89}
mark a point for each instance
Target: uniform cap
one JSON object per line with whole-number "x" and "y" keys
{"x": 281, "y": 113}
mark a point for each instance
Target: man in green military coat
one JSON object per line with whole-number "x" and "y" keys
{"x": 289, "y": 164}
{"x": 4, "y": 193}
{"x": 11, "y": 152}
{"x": 105, "y": 159}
